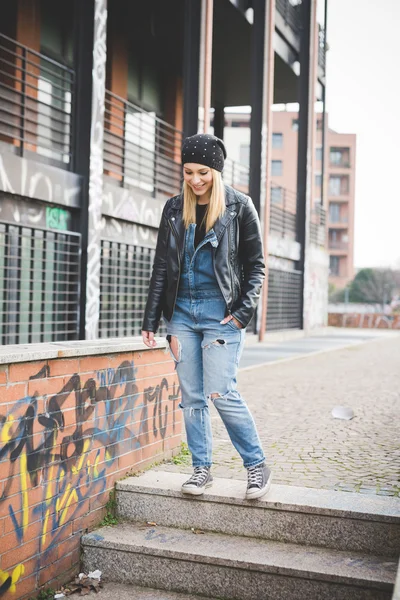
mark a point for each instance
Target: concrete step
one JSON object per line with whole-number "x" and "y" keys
{"x": 337, "y": 520}
{"x": 234, "y": 567}
{"x": 122, "y": 591}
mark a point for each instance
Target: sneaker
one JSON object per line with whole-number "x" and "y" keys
{"x": 258, "y": 481}
{"x": 198, "y": 482}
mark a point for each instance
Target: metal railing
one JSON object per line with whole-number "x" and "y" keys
{"x": 284, "y": 299}
{"x": 39, "y": 284}
{"x": 125, "y": 272}
{"x": 141, "y": 150}
{"x": 236, "y": 175}
{"x": 338, "y": 245}
{"x": 36, "y": 97}
{"x": 291, "y": 12}
{"x": 318, "y": 226}
{"x": 283, "y": 211}
{"x": 321, "y": 48}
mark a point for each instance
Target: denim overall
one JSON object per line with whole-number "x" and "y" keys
{"x": 208, "y": 357}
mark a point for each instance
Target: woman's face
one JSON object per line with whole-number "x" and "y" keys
{"x": 199, "y": 177}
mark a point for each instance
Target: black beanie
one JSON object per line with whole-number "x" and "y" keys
{"x": 204, "y": 149}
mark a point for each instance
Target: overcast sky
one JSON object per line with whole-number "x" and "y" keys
{"x": 363, "y": 97}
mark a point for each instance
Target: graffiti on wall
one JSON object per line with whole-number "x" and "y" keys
{"x": 58, "y": 449}
{"x": 31, "y": 179}
{"x": 365, "y": 321}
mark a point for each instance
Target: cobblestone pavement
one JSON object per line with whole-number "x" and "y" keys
{"x": 305, "y": 446}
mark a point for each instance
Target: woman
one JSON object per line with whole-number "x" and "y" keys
{"x": 207, "y": 276}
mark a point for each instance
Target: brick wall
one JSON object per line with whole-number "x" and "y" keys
{"x": 69, "y": 428}
{"x": 364, "y": 321}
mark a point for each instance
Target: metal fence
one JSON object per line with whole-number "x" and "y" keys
{"x": 36, "y": 97}
{"x": 39, "y": 284}
{"x": 140, "y": 149}
{"x": 284, "y": 299}
{"x": 321, "y": 48}
{"x": 236, "y": 175}
{"x": 318, "y": 226}
{"x": 124, "y": 280}
{"x": 291, "y": 12}
{"x": 283, "y": 212}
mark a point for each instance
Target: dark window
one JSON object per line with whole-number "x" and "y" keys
{"x": 339, "y": 157}
{"x": 318, "y": 153}
{"x": 295, "y": 124}
{"x": 276, "y": 167}
{"x": 318, "y": 179}
{"x": 334, "y": 212}
{"x": 277, "y": 140}
{"x": 334, "y": 265}
{"x": 276, "y": 195}
{"x": 338, "y": 185}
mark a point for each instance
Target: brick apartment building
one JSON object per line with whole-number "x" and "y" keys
{"x": 335, "y": 193}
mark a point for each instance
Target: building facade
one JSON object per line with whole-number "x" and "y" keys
{"x": 341, "y": 204}
{"x": 95, "y": 101}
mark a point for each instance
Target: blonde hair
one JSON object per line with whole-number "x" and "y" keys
{"x": 216, "y": 206}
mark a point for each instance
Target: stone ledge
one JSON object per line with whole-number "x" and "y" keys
{"x": 32, "y": 352}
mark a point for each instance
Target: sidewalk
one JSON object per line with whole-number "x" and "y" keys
{"x": 292, "y": 397}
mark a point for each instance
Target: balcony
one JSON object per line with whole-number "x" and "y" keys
{"x": 283, "y": 212}
{"x": 317, "y": 226}
{"x": 338, "y": 245}
{"x": 36, "y": 99}
{"x": 140, "y": 149}
{"x": 335, "y": 223}
{"x": 236, "y": 175}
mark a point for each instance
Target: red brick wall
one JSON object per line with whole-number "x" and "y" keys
{"x": 69, "y": 428}
{"x": 364, "y": 321}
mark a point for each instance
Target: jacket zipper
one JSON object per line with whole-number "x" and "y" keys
{"x": 175, "y": 234}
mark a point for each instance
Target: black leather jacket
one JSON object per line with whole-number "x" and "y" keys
{"x": 238, "y": 259}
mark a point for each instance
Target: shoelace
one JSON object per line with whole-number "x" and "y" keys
{"x": 254, "y": 476}
{"x": 199, "y": 474}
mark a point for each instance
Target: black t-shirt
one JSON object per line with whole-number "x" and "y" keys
{"x": 200, "y": 227}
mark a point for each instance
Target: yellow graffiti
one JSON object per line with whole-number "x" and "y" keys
{"x": 5, "y": 432}
{"x": 46, "y": 520}
{"x": 78, "y": 468}
{"x": 16, "y": 574}
{"x": 73, "y": 496}
{"x": 24, "y": 491}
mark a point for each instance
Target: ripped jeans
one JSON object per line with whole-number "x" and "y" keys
{"x": 207, "y": 357}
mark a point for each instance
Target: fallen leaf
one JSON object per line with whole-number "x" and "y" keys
{"x": 197, "y": 530}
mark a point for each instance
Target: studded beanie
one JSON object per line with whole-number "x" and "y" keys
{"x": 204, "y": 149}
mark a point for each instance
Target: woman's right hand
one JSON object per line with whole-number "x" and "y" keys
{"x": 148, "y": 339}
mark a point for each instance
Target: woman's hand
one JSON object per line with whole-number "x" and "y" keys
{"x": 148, "y": 339}
{"x": 231, "y": 318}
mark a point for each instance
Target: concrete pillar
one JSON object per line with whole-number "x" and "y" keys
{"x": 306, "y": 141}
{"x": 262, "y": 86}
{"x": 88, "y": 150}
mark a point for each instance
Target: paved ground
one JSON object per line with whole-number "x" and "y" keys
{"x": 292, "y": 400}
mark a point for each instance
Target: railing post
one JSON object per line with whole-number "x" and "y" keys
{"x": 23, "y": 92}
{"x": 123, "y": 168}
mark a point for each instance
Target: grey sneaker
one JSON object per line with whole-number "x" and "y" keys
{"x": 258, "y": 481}
{"x": 198, "y": 482}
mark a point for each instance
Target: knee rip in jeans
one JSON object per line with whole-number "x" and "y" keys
{"x": 219, "y": 343}
{"x": 174, "y": 347}
{"x": 231, "y": 395}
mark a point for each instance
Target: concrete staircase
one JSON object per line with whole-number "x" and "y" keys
{"x": 295, "y": 544}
